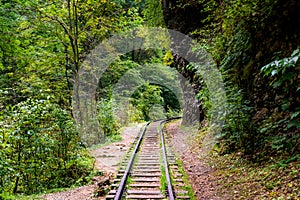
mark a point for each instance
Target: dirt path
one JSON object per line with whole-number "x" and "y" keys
{"x": 107, "y": 159}
{"x": 200, "y": 173}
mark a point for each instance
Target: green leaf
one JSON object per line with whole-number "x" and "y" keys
{"x": 295, "y": 114}
{"x": 262, "y": 130}
{"x": 273, "y": 72}
{"x": 285, "y": 106}
{"x": 277, "y": 84}
{"x": 293, "y": 123}
{"x": 295, "y": 52}
{"x": 295, "y": 59}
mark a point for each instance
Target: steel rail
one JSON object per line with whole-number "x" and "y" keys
{"x": 166, "y": 165}
{"x": 122, "y": 185}
{"x": 121, "y": 188}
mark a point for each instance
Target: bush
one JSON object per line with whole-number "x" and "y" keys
{"x": 106, "y": 117}
{"x": 40, "y": 149}
{"x": 238, "y": 131}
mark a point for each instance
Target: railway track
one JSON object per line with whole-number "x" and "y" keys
{"x": 150, "y": 170}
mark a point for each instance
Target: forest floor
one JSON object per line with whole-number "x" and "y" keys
{"x": 212, "y": 178}
{"x": 231, "y": 176}
{"x": 200, "y": 173}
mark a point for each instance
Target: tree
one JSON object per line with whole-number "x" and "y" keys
{"x": 145, "y": 97}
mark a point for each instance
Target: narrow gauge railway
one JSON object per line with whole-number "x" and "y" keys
{"x": 150, "y": 170}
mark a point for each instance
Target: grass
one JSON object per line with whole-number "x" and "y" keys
{"x": 128, "y": 182}
{"x": 31, "y": 197}
{"x": 163, "y": 180}
{"x": 187, "y": 186}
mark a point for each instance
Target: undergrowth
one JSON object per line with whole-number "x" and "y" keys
{"x": 243, "y": 179}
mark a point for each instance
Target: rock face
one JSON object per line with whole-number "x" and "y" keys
{"x": 184, "y": 19}
{"x": 183, "y": 15}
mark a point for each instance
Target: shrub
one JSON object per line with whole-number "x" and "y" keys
{"x": 40, "y": 149}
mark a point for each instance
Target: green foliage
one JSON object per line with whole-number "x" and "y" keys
{"x": 283, "y": 72}
{"x": 238, "y": 130}
{"x": 157, "y": 112}
{"x": 283, "y": 75}
{"x": 42, "y": 45}
{"x": 236, "y": 34}
{"x": 40, "y": 149}
{"x": 171, "y": 103}
{"x": 106, "y": 118}
{"x": 112, "y": 75}
{"x": 203, "y": 96}
{"x": 224, "y": 20}
{"x": 153, "y": 13}
{"x": 287, "y": 141}
{"x": 172, "y": 113}
{"x": 127, "y": 75}
{"x": 145, "y": 98}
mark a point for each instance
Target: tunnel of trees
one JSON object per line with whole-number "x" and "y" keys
{"x": 255, "y": 45}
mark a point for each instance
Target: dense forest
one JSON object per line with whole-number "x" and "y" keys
{"x": 44, "y": 45}
{"x": 256, "y": 47}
